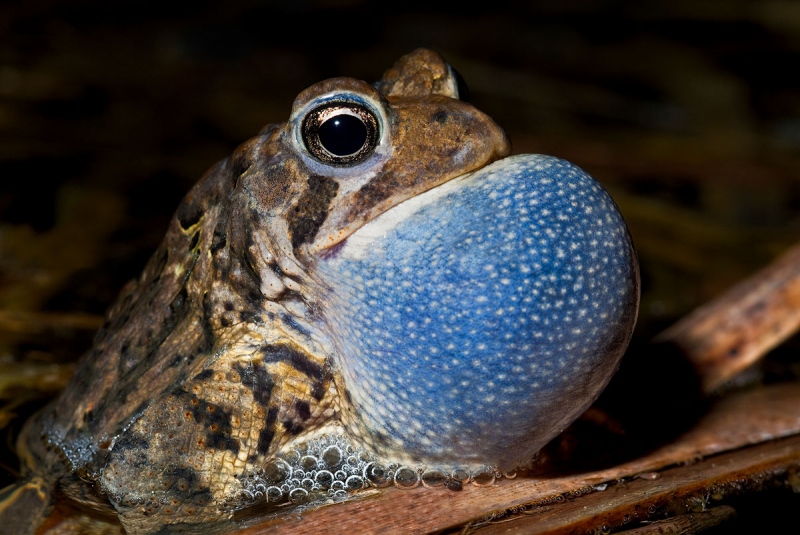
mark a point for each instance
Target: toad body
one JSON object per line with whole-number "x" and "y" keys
{"x": 358, "y": 282}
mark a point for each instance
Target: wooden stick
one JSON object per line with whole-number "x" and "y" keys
{"x": 732, "y": 332}
{"x": 557, "y": 501}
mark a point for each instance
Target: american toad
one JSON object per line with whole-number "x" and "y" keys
{"x": 343, "y": 284}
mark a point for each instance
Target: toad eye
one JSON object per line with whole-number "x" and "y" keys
{"x": 340, "y": 133}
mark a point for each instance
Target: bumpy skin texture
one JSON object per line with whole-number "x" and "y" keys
{"x": 431, "y": 315}
{"x": 216, "y": 357}
{"x": 482, "y": 317}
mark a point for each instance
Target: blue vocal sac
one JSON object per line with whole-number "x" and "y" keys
{"x": 479, "y": 319}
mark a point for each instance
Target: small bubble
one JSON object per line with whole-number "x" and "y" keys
{"x": 341, "y": 475}
{"x": 307, "y": 483}
{"x": 308, "y": 462}
{"x": 340, "y": 495}
{"x": 511, "y": 474}
{"x": 377, "y": 474}
{"x": 324, "y": 478}
{"x": 274, "y": 494}
{"x": 354, "y": 483}
{"x": 292, "y": 456}
{"x": 406, "y": 478}
{"x": 277, "y": 470}
{"x": 459, "y": 474}
{"x": 352, "y": 460}
{"x": 350, "y": 470}
{"x": 332, "y": 456}
{"x": 433, "y": 478}
{"x": 298, "y": 495}
{"x": 337, "y": 485}
{"x": 298, "y": 474}
{"x": 483, "y": 478}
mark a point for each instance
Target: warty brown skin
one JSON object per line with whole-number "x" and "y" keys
{"x": 218, "y": 355}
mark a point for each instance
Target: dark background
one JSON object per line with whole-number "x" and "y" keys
{"x": 688, "y": 112}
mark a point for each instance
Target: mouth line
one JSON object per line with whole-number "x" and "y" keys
{"x": 404, "y": 209}
{"x": 366, "y": 238}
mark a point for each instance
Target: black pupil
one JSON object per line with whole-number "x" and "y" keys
{"x": 343, "y": 134}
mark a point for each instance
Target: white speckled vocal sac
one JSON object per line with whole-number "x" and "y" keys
{"x": 479, "y": 319}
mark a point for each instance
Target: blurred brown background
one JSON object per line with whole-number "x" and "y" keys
{"x": 689, "y": 112}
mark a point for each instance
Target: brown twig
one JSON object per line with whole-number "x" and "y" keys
{"x": 732, "y": 332}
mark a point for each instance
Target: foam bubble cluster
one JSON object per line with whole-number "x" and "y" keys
{"x": 332, "y": 467}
